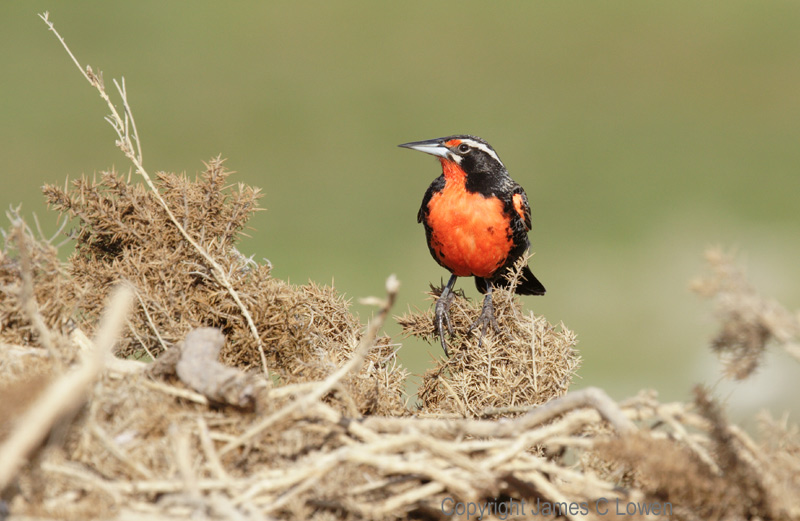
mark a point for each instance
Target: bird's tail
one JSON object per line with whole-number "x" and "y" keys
{"x": 528, "y": 284}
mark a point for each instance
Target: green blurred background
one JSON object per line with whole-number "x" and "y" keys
{"x": 643, "y": 132}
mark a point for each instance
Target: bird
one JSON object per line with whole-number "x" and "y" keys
{"x": 476, "y": 221}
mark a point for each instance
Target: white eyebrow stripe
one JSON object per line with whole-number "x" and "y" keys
{"x": 481, "y": 146}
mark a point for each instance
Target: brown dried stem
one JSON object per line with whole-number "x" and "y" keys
{"x": 27, "y": 296}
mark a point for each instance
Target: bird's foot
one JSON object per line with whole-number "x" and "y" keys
{"x": 485, "y": 319}
{"x": 442, "y": 317}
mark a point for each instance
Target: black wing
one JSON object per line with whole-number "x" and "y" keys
{"x": 523, "y": 208}
{"x": 436, "y": 186}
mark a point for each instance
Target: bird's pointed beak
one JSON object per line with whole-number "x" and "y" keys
{"x": 434, "y": 147}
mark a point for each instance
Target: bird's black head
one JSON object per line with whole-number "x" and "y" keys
{"x": 472, "y": 154}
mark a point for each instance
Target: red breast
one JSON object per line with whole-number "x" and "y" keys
{"x": 471, "y": 233}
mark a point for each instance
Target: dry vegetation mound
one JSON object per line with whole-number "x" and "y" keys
{"x": 529, "y": 363}
{"x": 304, "y": 418}
{"x": 123, "y": 233}
{"x": 329, "y": 435}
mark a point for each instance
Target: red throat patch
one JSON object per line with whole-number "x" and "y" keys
{"x": 452, "y": 171}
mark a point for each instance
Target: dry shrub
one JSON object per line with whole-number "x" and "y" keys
{"x": 37, "y": 310}
{"x": 749, "y": 321}
{"x": 666, "y": 469}
{"x": 31, "y": 274}
{"x": 124, "y": 233}
{"x": 529, "y": 363}
{"x": 714, "y": 472}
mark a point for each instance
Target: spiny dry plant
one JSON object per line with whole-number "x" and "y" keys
{"x": 327, "y": 436}
{"x": 749, "y": 321}
{"x": 30, "y": 268}
{"x": 528, "y": 363}
{"x": 123, "y": 233}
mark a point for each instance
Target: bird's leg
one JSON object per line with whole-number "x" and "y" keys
{"x": 487, "y": 315}
{"x": 442, "y": 312}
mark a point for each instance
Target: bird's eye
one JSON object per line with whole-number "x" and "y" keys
{"x": 463, "y": 148}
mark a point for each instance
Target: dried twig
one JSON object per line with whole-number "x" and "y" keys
{"x": 26, "y": 296}
{"x": 177, "y": 392}
{"x": 592, "y": 398}
{"x": 208, "y": 449}
{"x": 152, "y": 327}
{"x": 116, "y": 366}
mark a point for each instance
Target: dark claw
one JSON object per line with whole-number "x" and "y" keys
{"x": 442, "y": 313}
{"x": 485, "y": 318}
{"x": 448, "y": 301}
